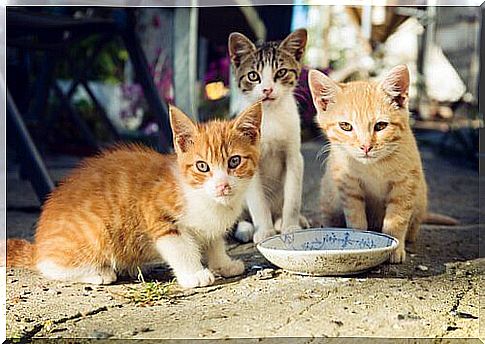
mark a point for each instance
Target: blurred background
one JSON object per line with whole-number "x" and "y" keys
{"x": 81, "y": 78}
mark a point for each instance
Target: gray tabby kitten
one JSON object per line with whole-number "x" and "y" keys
{"x": 269, "y": 73}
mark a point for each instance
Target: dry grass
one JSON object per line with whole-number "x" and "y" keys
{"x": 149, "y": 293}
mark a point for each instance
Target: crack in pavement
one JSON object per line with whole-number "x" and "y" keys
{"x": 452, "y": 312}
{"x": 306, "y": 309}
{"x": 27, "y": 336}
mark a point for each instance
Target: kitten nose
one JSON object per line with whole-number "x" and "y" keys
{"x": 223, "y": 188}
{"x": 366, "y": 148}
{"x": 268, "y": 91}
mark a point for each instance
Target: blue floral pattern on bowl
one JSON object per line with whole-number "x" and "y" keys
{"x": 328, "y": 251}
{"x": 338, "y": 239}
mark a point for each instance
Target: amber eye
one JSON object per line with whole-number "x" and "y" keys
{"x": 345, "y": 126}
{"x": 380, "y": 126}
{"x": 202, "y": 166}
{"x": 281, "y": 72}
{"x": 234, "y": 161}
{"x": 253, "y": 76}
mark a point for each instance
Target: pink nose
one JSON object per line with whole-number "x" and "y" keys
{"x": 267, "y": 91}
{"x": 223, "y": 188}
{"x": 366, "y": 148}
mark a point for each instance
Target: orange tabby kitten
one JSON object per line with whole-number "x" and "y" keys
{"x": 131, "y": 206}
{"x": 374, "y": 178}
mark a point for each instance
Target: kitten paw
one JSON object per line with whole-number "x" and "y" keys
{"x": 244, "y": 231}
{"x": 201, "y": 278}
{"x": 291, "y": 229}
{"x": 277, "y": 225}
{"x": 232, "y": 268}
{"x": 102, "y": 277}
{"x": 304, "y": 223}
{"x": 260, "y": 235}
{"x": 398, "y": 256}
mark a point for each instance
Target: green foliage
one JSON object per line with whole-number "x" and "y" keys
{"x": 108, "y": 66}
{"x": 148, "y": 293}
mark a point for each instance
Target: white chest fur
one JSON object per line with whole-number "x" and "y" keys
{"x": 281, "y": 166}
{"x": 281, "y": 124}
{"x": 206, "y": 218}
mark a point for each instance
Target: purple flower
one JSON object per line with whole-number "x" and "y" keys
{"x": 151, "y": 128}
{"x": 133, "y": 92}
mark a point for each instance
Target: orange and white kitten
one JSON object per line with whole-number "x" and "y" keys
{"x": 374, "y": 178}
{"x": 131, "y": 206}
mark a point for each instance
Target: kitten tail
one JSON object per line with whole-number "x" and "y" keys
{"x": 438, "y": 219}
{"x": 20, "y": 253}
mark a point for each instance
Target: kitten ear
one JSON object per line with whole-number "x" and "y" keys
{"x": 183, "y": 129}
{"x": 239, "y": 46}
{"x": 322, "y": 88}
{"x": 396, "y": 85}
{"x": 248, "y": 122}
{"x": 295, "y": 43}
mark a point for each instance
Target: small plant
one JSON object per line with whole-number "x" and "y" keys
{"x": 48, "y": 326}
{"x": 107, "y": 66}
{"x": 149, "y": 293}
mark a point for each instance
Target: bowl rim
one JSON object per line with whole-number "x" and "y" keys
{"x": 395, "y": 243}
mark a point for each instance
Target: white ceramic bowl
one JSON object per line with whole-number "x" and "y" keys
{"x": 328, "y": 251}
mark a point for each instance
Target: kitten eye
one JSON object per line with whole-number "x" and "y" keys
{"x": 345, "y": 126}
{"x": 253, "y": 76}
{"x": 281, "y": 72}
{"x": 234, "y": 161}
{"x": 380, "y": 126}
{"x": 202, "y": 166}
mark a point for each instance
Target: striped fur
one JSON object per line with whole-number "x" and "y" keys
{"x": 269, "y": 72}
{"x": 374, "y": 178}
{"x": 277, "y": 56}
{"x": 131, "y": 206}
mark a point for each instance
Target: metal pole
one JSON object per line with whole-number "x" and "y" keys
{"x": 185, "y": 59}
{"x": 30, "y": 157}
{"x": 481, "y": 144}
{"x": 126, "y": 22}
